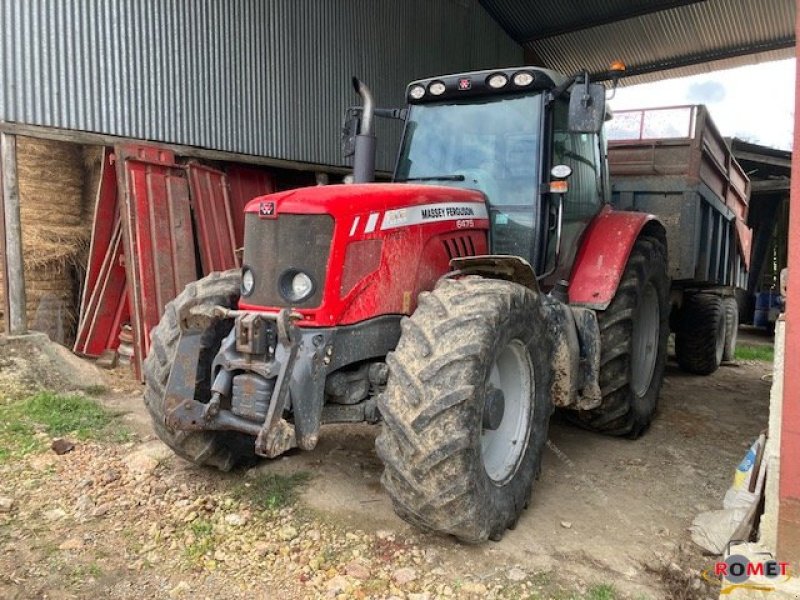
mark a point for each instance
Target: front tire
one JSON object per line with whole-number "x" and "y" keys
{"x": 454, "y": 462}
{"x": 633, "y": 345}
{"x": 220, "y": 449}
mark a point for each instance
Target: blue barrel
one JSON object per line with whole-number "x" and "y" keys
{"x": 764, "y": 302}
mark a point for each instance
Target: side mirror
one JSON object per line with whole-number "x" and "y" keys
{"x": 350, "y": 128}
{"x": 587, "y": 107}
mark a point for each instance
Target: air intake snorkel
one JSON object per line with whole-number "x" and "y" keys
{"x": 364, "y": 158}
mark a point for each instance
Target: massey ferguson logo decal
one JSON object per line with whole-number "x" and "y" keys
{"x": 464, "y": 84}
{"x": 266, "y": 209}
{"x": 463, "y": 214}
{"x": 448, "y": 211}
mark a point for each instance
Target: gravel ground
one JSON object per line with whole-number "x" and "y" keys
{"x": 130, "y": 520}
{"x": 125, "y": 518}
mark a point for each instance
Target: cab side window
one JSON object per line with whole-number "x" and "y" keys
{"x": 581, "y": 151}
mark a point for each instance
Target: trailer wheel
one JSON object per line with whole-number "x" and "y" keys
{"x": 700, "y": 337}
{"x": 633, "y": 345}
{"x": 466, "y": 408}
{"x": 220, "y": 449}
{"x": 731, "y": 328}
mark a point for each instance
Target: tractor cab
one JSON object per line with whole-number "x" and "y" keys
{"x": 501, "y": 132}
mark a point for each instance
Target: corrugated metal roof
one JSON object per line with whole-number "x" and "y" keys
{"x": 267, "y": 78}
{"x": 526, "y": 21}
{"x": 657, "y": 40}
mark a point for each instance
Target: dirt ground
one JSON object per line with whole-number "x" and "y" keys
{"x": 128, "y": 520}
{"x": 604, "y": 508}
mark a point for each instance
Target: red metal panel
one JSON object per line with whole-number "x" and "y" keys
{"x": 789, "y": 486}
{"x": 157, "y": 234}
{"x": 212, "y": 217}
{"x": 603, "y": 255}
{"x": 103, "y": 223}
{"x": 245, "y": 183}
{"x": 745, "y": 240}
{"x": 106, "y": 303}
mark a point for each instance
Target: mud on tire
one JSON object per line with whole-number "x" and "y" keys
{"x": 431, "y": 437}
{"x": 625, "y": 411}
{"x": 700, "y": 336}
{"x": 219, "y": 449}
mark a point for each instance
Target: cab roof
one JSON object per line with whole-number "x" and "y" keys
{"x": 476, "y": 83}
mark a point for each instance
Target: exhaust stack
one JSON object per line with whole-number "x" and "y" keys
{"x": 364, "y": 159}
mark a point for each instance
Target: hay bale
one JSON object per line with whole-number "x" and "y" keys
{"x": 55, "y": 230}
{"x": 56, "y": 209}
{"x": 50, "y": 182}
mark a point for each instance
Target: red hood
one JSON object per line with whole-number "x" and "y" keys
{"x": 343, "y": 200}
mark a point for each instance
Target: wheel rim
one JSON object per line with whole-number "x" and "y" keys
{"x": 502, "y": 449}
{"x": 646, "y": 329}
{"x": 720, "y": 348}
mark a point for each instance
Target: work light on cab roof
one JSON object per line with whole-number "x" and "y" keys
{"x": 497, "y": 81}
{"x": 523, "y": 78}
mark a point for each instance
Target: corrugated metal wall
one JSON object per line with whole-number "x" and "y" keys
{"x": 263, "y": 77}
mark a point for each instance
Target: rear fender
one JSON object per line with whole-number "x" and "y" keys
{"x": 604, "y": 253}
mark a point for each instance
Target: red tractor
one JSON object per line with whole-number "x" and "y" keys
{"x": 490, "y": 282}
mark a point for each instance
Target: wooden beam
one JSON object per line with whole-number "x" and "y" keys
{"x": 775, "y": 161}
{"x": 14, "y": 266}
{"x": 3, "y": 269}
{"x": 102, "y": 139}
{"x": 687, "y": 60}
{"x": 770, "y": 185}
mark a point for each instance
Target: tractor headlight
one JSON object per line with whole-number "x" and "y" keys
{"x": 248, "y": 281}
{"x": 302, "y": 286}
{"x": 296, "y": 286}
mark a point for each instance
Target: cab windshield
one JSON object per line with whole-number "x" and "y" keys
{"x": 489, "y": 144}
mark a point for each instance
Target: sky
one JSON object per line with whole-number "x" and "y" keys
{"x": 754, "y": 103}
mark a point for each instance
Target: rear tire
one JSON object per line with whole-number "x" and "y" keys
{"x": 220, "y": 449}
{"x": 445, "y": 469}
{"x": 633, "y": 346}
{"x": 731, "y": 328}
{"x": 700, "y": 338}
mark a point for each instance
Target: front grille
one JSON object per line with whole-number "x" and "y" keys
{"x": 271, "y": 246}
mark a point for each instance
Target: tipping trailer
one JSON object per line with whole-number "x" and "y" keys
{"x": 673, "y": 162}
